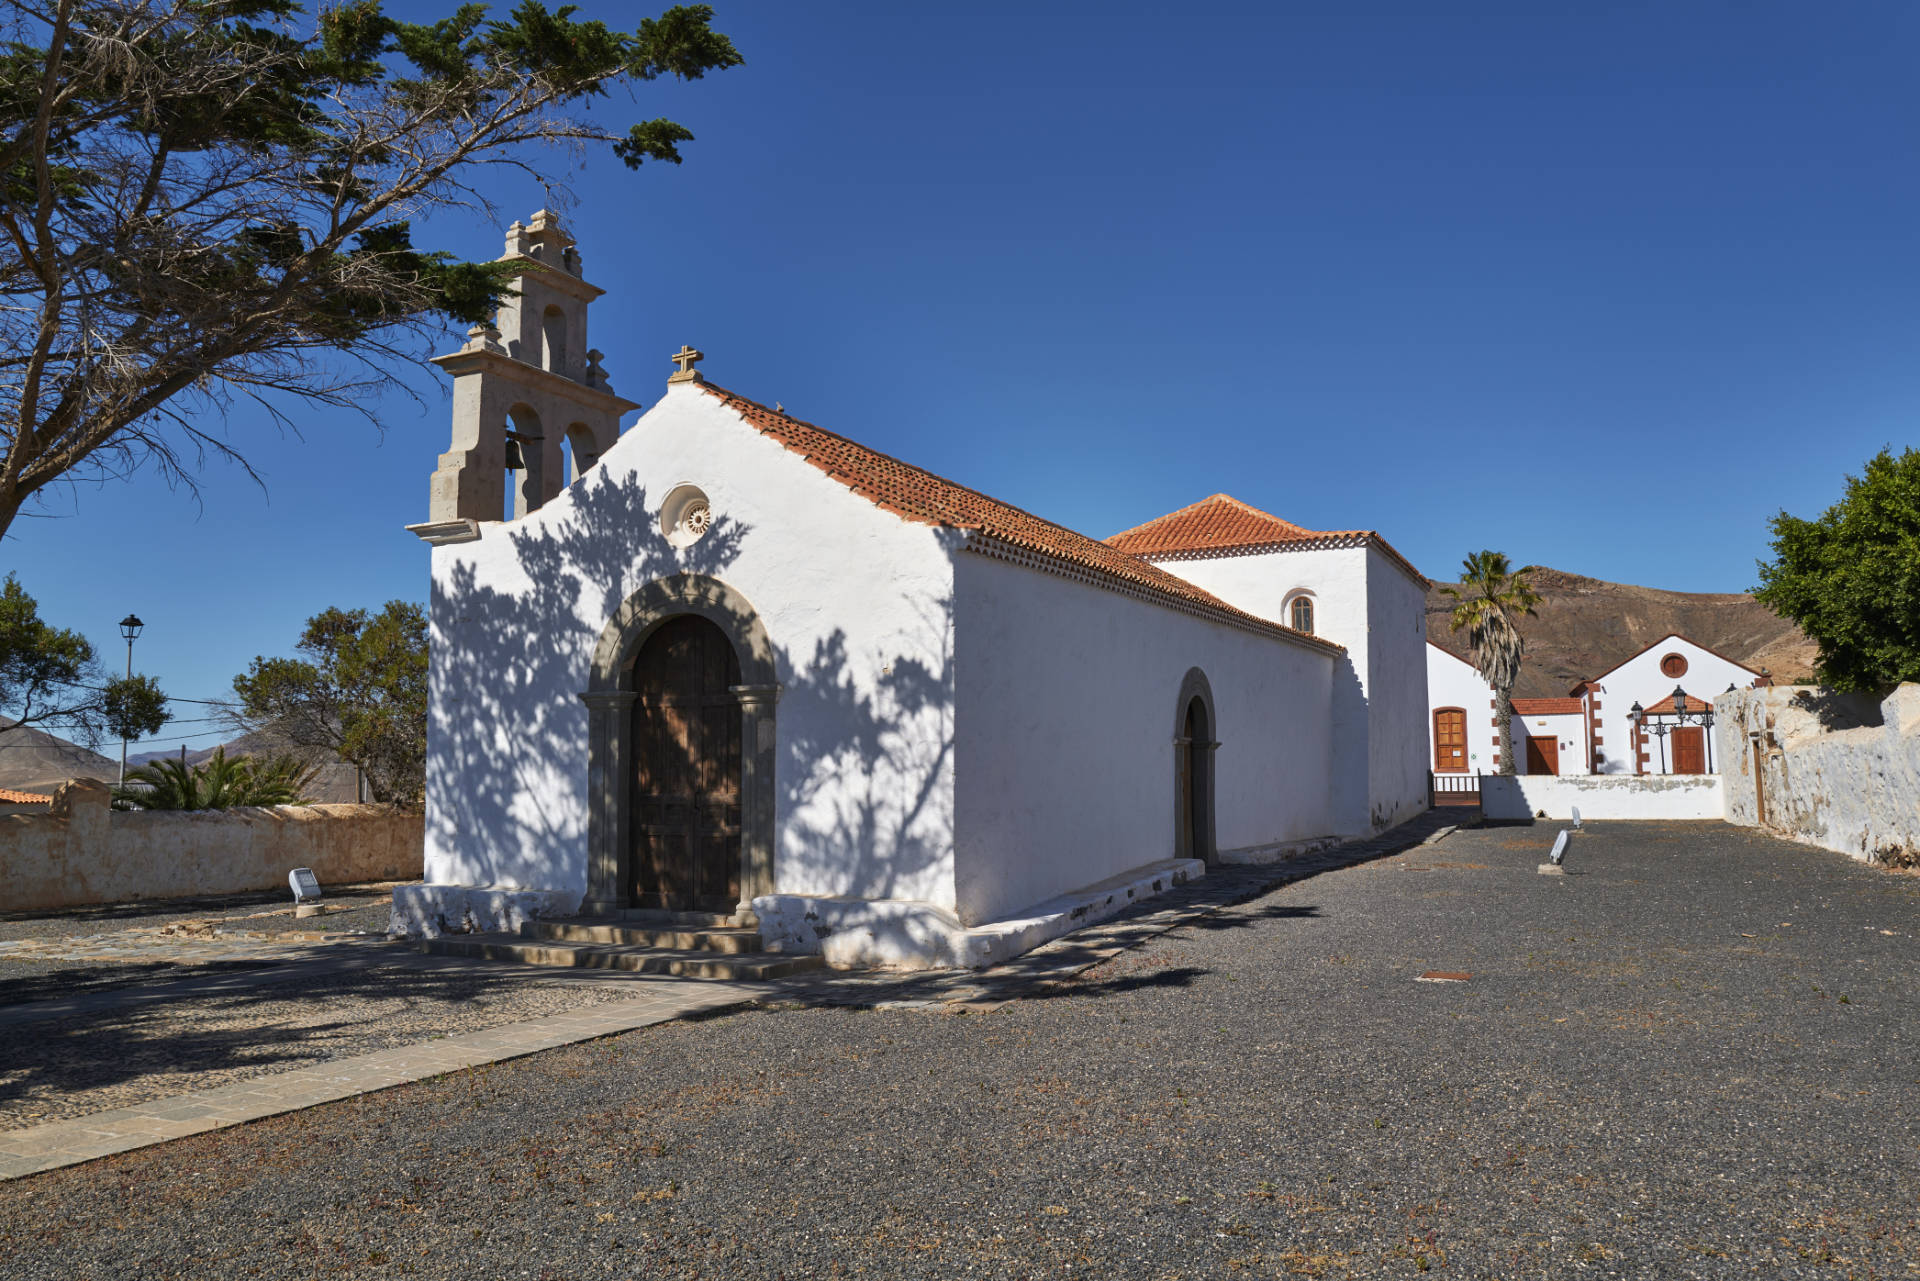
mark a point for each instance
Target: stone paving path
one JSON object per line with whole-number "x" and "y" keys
{"x": 657, "y": 999}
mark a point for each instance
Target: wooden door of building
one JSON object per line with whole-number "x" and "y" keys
{"x": 1450, "y": 741}
{"x": 686, "y": 776}
{"x": 1543, "y": 755}
{"x": 1689, "y": 750}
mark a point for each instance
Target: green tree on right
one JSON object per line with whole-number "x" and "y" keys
{"x": 1851, "y": 577}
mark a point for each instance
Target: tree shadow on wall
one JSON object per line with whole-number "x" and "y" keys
{"x": 862, "y": 761}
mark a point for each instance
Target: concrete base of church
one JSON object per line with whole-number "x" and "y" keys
{"x": 899, "y": 934}
{"x": 428, "y": 911}
{"x": 1279, "y": 852}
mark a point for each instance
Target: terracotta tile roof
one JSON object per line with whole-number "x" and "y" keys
{"x": 918, "y": 495}
{"x": 10, "y": 797}
{"x": 1548, "y": 706}
{"x": 1224, "y": 524}
{"x": 1665, "y": 706}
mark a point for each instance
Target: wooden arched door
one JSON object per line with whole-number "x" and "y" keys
{"x": 686, "y": 778}
{"x": 1194, "y": 792}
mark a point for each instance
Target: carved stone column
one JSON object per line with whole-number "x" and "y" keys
{"x": 609, "y": 846}
{"x": 758, "y": 748}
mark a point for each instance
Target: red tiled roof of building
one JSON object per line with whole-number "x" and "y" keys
{"x": 1665, "y": 706}
{"x": 918, "y": 495}
{"x": 1548, "y": 706}
{"x": 10, "y": 797}
{"x": 1223, "y": 523}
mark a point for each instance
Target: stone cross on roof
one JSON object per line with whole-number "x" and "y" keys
{"x": 686, "y": 358}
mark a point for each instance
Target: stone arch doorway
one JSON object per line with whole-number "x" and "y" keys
{"x": 685, "y": 799}
{"x": 1194, "y": 744}
{"x": 713, "y": 663}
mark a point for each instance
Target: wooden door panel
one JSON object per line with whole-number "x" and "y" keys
{"x": 1543, "y": 756}
{"x": 686, "y": 772}
{"x": 1450, "y": 741}
{"x": 1689, "y": 750}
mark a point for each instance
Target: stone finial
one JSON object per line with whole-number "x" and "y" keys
{"x": 517, "y": 239}
{"x": 686, "y": 358}
{"x": 597, "y": 376}
{"x": 484, "y": 338}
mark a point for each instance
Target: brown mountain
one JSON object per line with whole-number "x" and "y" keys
{"x": 32, "y": 760}
{"x": 1586, "y": 626}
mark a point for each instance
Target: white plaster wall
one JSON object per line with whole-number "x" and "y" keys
{"x": 1568, "y": 731}
{"x": 1639, "y": 680}
{"x": 1681, "y": 796}
{"x": 857, "y": 604}
{"x": 1855, "y": 790}
{"x": 1068, "y": 701}
{"x": 1452, "y": 682}
{"x": 1394, "y": 681}
{"x": 1337, "y": 580}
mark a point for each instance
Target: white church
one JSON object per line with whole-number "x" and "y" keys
{"x": 729, "y": 666}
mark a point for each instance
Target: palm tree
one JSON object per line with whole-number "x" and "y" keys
{"x": 217, "y": 783}
{"x": 1490, "y": 600}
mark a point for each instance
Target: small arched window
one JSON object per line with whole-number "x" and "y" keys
{"x": 1300, "y": 614}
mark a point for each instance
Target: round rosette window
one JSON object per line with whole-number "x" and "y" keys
{"x": 1673, "y": 666}
{"x": 686, "y": 516}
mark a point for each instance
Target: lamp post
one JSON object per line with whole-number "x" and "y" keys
{"x": 130, "y": 627}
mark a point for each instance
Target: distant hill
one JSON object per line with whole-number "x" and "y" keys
{"x": 1586, "y": 626}
{"x": 32, "y": 760}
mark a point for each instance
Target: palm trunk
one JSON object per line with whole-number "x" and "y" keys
{"x": 1503, "y": 712}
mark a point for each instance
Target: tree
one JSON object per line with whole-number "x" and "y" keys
{"x": 202, "y": 200}
{"x": 361, "y": 694}
{"x": 1851, "y": 578}
{"x": 217, "y": 783}
{"x": 51, "y": 676}
{"x": 1489, "y": 602}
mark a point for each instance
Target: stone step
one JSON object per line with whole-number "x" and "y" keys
{"x": 684, "y": 963}
{"x": 661, "y": 919}
{"x": 599, "y": 930}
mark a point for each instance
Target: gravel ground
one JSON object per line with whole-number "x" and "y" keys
{"x": 369, "y": 902}
{"x": 31, "y": 978}
{"x": 1697, "y": 1059}
{"x": 114, "y": 1058}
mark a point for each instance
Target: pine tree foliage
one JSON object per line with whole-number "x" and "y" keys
{"x": 202, "y": 200}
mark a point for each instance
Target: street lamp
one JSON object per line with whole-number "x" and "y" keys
{"x": 130, "y": 627}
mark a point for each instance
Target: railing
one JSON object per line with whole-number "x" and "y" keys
{"x": 1452, "y": 789}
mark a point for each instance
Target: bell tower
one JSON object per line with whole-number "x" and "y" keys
{"x": 522, "y": 388}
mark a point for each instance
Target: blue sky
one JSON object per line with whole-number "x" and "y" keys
{"x": 1602, "y": 287}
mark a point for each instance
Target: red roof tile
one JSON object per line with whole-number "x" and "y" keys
{"x": 1665, "y": 706}
{"x": 1223, "y": 523}
{"x": 1548, "y": 706}
{"x": 918, "y": 495}
{"x": 10, "y": 797}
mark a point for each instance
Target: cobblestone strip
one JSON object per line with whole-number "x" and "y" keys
{"x": 48, "y": 1147}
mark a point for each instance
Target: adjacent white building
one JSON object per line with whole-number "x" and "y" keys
{"x": 730, "y": 662}
{"x": 1628, "y": 720}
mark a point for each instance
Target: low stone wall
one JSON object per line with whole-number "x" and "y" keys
{"x": 1832, "y": 770}
{"x": 1668, "y": 796}
{"x": 84, "y": 852}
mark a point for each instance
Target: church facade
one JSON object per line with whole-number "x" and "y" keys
{"x": 728, "y": 662}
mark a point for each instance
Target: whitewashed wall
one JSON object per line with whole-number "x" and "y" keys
{"x": 1394, "y": 680}
{"x": 1452, "y": 682}
{"x": 1566, "y": 730}
{"x": 1854, "y": 789}
{"x": 1640, "y": 680}
{"x": 1368, "y": 604}
{"x": 1679, "y": 796}
{"x": 858, "y": 606}
{"x": 1069, "y": 702}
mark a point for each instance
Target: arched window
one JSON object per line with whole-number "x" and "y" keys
{"x": 1300, "y": 614}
